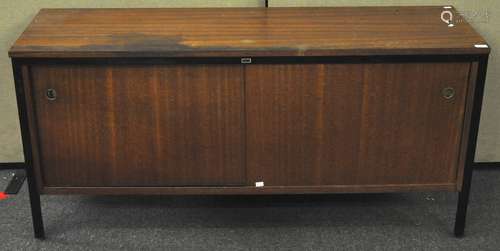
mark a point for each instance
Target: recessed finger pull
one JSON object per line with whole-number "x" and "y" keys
{"x": 448, "y": 92}
{"x": 51, "y": 94}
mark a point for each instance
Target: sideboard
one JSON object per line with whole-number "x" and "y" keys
{"x": 249, "y": 101}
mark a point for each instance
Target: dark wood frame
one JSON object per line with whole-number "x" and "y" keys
{"x": 20, "y": 165}
{"x": 34, "y": 186}
{"x": 463, "y": 199}
{"x": 36, "y": 209}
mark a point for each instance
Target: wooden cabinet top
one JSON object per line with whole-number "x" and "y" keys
{"x": 215, "y": 32}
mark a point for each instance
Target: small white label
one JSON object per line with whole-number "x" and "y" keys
{"x": 259, "y": 184}
{"x": 482, "y": 46}
{"x": 246, "y": 60}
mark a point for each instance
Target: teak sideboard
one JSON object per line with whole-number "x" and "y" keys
{"x": 249, "y": 101}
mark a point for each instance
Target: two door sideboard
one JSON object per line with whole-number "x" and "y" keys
{"x": 249, "y": 101}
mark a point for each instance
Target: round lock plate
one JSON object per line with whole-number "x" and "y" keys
{"x": 448, "y": 93}
{"x": 51, "y": 94}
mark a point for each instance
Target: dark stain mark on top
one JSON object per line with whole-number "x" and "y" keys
{"x": 140, "y": 42}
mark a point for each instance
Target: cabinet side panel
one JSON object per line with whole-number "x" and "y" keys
{"x": 471, "y": 89}
{"x": 33, "y": 125}
{"x": 138, "y": 125}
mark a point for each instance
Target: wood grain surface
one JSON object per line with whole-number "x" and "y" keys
{"x": 140, "y": 125}
{"x": 354, "y": 124}
{"x": 215, "y": 32}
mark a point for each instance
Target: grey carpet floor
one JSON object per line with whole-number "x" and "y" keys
{"x": 405, "y": 221}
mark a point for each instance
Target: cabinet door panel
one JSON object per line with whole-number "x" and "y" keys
{"x": 140, "y": 125}
{"x": 354, "y": 124}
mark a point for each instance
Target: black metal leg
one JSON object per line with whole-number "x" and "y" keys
{"x": 36, "y": 209}
{"x": 463, "y": 196}
{"x": 463, "y": 201}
